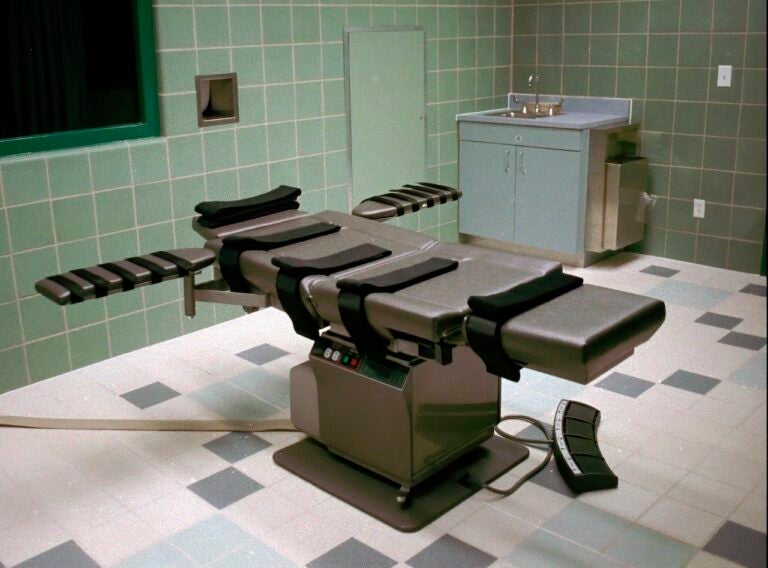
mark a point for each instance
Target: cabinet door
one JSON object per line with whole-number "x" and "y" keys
{"x": 547, "y": 198}
{"x": 487, "y": 181}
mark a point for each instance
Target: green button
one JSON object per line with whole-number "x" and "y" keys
{"x": 345, "y": 360}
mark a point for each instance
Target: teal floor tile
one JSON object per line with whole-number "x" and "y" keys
{"x": 233, "y": 403}
{"x": 688, "y": 295}
{"x": 643, "y": 547}
{"x": 549, "y": 385}
{"x": 254, "y": 555}
{"x": 159, "y": 554}
{"x": 210, "y": 539}
{"x": 544, "y": 548}
{"x": 265, "y": 385}
{"x": 752, "y": 373}
{"x": 587, "y": 525}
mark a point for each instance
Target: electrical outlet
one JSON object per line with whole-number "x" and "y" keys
{"x": 724, "y": 75}
{"x": 698, "y": 208}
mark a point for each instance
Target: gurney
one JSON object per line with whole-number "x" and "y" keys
{"x": 400, "y": 395}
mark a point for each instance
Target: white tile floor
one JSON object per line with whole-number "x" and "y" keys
{"x": 690, "y": 453}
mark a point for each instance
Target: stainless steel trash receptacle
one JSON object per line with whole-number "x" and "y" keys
{"x": 626, "y": 181}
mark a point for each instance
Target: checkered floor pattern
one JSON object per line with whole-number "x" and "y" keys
{"x": 683, "y": 425}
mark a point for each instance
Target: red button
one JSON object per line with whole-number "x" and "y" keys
{"x": 353, "y": 362}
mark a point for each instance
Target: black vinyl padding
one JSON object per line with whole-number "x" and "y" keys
{"x": 158, "y": 272}
{"x": 101, "y": 286}
{"x": 399, "y": 279}
{"x": 183, "y": 265}
{"x": 391, "y": 202}
{"x": 129, "y": 280}
{"x": 218, "y": 213}
{"x": 78, "y": 294}
{"x": 301, "y": 267}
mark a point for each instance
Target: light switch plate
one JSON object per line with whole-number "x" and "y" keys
{"x": 698, "y": 208}
{"x": 724, "y": 75}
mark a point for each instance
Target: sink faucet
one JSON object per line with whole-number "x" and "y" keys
{"x": 531, "y": 80}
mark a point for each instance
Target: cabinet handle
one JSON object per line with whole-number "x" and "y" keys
{"x": 506, "y": 164}
{"x": 522, "y": 163}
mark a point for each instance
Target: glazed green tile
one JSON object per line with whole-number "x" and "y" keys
{"x": 281, "y": 141}
{"x": 335, "y": 133}
{"x": 114, "y": 210}
{"x": 664, "y": 16}
{"x": 86, "y": 313}
{"x": 156, "y": 237}
{"x": 756, "y": 51}
{"x": 730, "y": 94}
{"x": 716, "y": 186}
{"x": 313, "y": 201}
{"x": 446, "y": 117}
{"x": 712, "y": 251}
{"x": 30, "y": 267}
{"x": 78, "y": 254}
{"x": 730, "y": 15}
{"x": 74, "y": 218}
{"x": 524, "y": 51}
{"x": 308, "y": 62}
{"x": 550, "y": 79}
{"x": 251, "y": 105}
{"x": 213, "y": 61}
{"x": 332, "y": 22}
{"x": 361, "y": 16}
{"x": 654, "y": 241}
{"x": 447, "y": 85}
{"x": 333, "y": 67}
{"x": 221, "y": 186}
{"x": 175, "y": 28}
{"x": 632, "y": 49}
{"x": 659, "y": 116}
{"x": 247, "y": 63}
{"x": 285, "y": 173}
{"x": 467, "y": 22}
{"x": 503, "y": 22}
{"x": 468, "y": 53}
{"x": 382, "y": 16}
{"x": 309, "y": 100}
{"x": 10, "y": 331}
{"x": 756, "y": 17}
{"x": 449, "y": 150}
{"x": 448, "y": 54}
{"x": 748, "y": 224}
{"x": 48, "y": 358}
{"x": 311, "y": 173}
{"x": 656, "y": 212}
{"x": 118, "y": 245}
{"x": 111, "y": 167}
{"x": 660, "y": 83}
{"x": 281, "y": 104}
{"x": 603, "y": 49}
{"x": 162, "y": 294}
{"x": 306, "y": 24}
{"x": 751, "y": 156}
{"x": 633, "y": 17}
{"x": 278, "y": 64}
{"x": 602, "y": 81}
{"x": 576, "y": 50}
{"x": 211, "y": 26}
{"x": 127, "y": 333}
{"x": 336, "y": 168}
{"x": 14, "y": 367}
{"x": 687, "y": 150}
{"x": 719, "y": 153}
{"x": 754, "y": 86}
{"x": 681, "y": 246}
{"x": 30, "y": 226}
{"x": 696, "y": 15}
{"x": 485, "y": 22}
{"x": 89, "y": 345}
{"x": 69, "y": 174}
{"x": 690, "y": 118}
{"x": 694, "y": 50}
{"x": 577, "y": 18}
{"x": 246, "y": 25}
{"x": 691, "y": 84}
{"x": 333, "y": 97}
{"x": 7, "y": 290}
{"x": 484, "y": 52}
{"x": 684, "y": 183}
{"x": 745, "y": 257}
{"x": 24, "y": 181}
{"x": 722, "y": 119}
{"x": 185, "y": 236}
{"x": 219, "y": 150}
{"x": 251, "y": 145}
{"x": 186, "y": 155}
{"x": 149, "y": 162}
{"x": 178, "y": 114}
{"x": 749, "y": 190}
{"x": 728, "y": 49}
{"x": 525, "y": 20}
{"x": 630, "y": 82}
{"x": 657, "y": 146}
{"x": 662, "y": 50}
{"x": 336, "y": 199}
{"x": 40, "y": 317}
{"x": 467, "y": 83}
{"x": 176, "y": 71}
{"x": 717, "y": 221}
{"x": 310, "y": 136}
{"x": 605, "y": 18}
{"x": 153, "y": 203}
{"x": 550, "y": 19}
{"x": 185, "y": 194}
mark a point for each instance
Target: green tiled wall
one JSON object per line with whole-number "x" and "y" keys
{"x": 68, "y": 209}
{"x": 703, "y": 141}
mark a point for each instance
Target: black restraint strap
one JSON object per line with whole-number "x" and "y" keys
{"x": 419, "y": 195}
{"x": 400, "y": 194}
{"x": 389, "y": 201}
{"x": 293, "y": 270}
{"x": 158, "y": 272}
{"x": 436, "y": 193}
{"x": 182, "y": 264}
{"x": 218, "y": 213}
{"x": 353, "y": 293}
{"x": 236, "y": 245}
{"x": 490, "y": 313}
{"x": 100, "y": 285}
{"x": 77, "y": 293}
{"x": 129, "y": 279}
{"x": 455, "y": 193}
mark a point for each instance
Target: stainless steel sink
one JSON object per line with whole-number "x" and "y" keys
{"x": 517, "y": 114}
{"x": 530, "y": 110}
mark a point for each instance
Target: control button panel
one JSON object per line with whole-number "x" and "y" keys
{"x": 576, "y": 451}
{"x": 336, "y": 353}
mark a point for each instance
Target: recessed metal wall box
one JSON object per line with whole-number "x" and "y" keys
{"x": 217, "y": 99}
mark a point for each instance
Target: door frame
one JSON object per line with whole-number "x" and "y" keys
{"x": 348, "y": 94}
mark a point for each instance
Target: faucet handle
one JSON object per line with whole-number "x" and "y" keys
{"x": 533, "y": 78}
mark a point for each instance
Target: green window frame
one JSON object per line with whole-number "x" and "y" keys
{"x": 148, "y": 126}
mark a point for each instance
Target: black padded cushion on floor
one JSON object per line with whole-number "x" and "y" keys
{"x": 219, "y": 213}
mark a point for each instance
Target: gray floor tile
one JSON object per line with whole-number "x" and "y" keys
{"x": 719, "y": 320}
{"x": 745, "y": 340}
{"x": 236, "y": 446}
{"x": 660, "y": 271}
{"x": 225, "y": 487}
{"x": 754, "y": 289}
{"x": 645, "y": 548}
{"x": 263, "y": 353}
{"x": 67, "y": 555}
{"x": 625, "y": 384}
{"x": 700, "y": 384}
{"x": 739, "y": 544}
{"x": 150, "y": 395}
{"x": 450, "y": 552}
{"x": 351, "y": 554}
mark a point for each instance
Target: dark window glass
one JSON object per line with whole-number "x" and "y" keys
{"x": 68, "y": 65}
